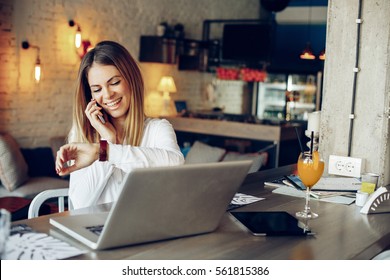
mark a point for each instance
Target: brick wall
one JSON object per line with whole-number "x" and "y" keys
{"x": 32, "y": 112}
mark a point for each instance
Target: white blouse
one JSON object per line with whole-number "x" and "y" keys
{"x": 101, "y": 182}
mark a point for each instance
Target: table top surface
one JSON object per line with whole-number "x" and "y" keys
{"x": 341, "y": 232}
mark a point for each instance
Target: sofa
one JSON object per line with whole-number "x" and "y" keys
{"x": 25, "y": 172}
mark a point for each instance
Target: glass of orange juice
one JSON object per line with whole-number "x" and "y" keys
{"x": 310, "y": 169}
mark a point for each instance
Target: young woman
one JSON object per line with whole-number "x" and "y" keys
{"x": 109, "y": 104}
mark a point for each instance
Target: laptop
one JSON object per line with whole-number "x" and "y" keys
{"x": 160, "y": 203}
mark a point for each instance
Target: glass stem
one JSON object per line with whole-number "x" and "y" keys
{"x": 307, "y": 206}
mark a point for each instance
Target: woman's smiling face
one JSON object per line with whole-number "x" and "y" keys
{"x": 109, "y": 89}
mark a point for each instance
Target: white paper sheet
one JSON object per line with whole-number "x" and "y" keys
{"x": 244, "y": 199}
{"x": 25, "y": 244}
{"x": 241, "y": 199}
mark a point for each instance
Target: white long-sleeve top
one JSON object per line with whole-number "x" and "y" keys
{"x": 101, "y": 182}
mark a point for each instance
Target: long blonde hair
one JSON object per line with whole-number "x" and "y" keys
{"x": 109, "y": 53}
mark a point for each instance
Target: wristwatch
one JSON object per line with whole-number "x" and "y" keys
{"x": 103, "y": 150}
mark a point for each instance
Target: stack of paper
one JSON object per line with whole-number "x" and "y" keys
{"x": 341, "y": 199}
{"x": 338, "y": 184}
{"x": 328, "y": 189}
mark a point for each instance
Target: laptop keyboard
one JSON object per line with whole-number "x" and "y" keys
{"x": 96, "y": 229}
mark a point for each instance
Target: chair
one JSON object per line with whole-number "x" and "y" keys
{"x": 385, "y": 255}
{"x": 36, "y": 203}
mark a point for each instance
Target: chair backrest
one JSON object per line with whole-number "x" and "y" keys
{"x": 39, "y": 199}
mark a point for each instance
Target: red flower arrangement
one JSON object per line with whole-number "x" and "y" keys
{"x": 228, "y": 73}
{"x": 245, "y": 74}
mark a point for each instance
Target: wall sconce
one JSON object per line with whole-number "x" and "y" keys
{"x": 37, "y": 67}
{"x": 82, "y": 46}
{"x": 167, "y": 85}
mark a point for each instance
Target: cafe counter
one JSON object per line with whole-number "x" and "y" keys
{"x": 273, "y": 133}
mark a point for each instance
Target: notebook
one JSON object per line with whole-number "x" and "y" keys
{"x": 160, "y": 203}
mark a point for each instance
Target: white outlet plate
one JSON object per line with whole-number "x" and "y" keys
{"x": 345, "y": 166}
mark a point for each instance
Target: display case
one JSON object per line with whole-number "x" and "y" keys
{"x": 287, "y": 97}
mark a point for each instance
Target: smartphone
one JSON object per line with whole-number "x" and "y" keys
{"x": 101, "y": 118}
{"x": 272, "y": 223}
{"x": 296, "y": 182}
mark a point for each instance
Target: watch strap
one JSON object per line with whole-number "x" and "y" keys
{"x": 103, "y": 150}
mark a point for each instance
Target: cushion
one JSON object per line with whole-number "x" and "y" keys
{"x": 259, "y": 159}
{"x": 35, "y": 185}
{"x": 13, "y": 167}
{"x": 203, "y": 153}
{"x": 40, "y": 162}
{"x": 56, "y": 143}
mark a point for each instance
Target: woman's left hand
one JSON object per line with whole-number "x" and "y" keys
{"x": 82, "y": 155}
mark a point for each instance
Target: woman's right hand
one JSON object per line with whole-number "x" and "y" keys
{"x": 106, "y": 130}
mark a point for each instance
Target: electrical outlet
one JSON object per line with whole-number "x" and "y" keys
{"x": 345, "y": 166}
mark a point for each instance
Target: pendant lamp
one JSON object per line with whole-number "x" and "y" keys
{"x": 322, "y": 55}
{"x": 307, "y": 53}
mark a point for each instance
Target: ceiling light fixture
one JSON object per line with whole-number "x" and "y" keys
{"x": 307, "y": 53}
{"x": 322, "y": 55}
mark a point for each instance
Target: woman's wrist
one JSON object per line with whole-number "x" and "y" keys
{"x": 96, "y": 147}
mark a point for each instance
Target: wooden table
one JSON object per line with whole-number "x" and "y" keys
{"x": 342, "y": 232}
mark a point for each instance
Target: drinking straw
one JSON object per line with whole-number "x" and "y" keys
{"x": 311, "y": 142}
{"x": 299, "y": 139}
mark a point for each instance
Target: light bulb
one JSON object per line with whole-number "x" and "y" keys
{"x": 77, "y": 38}
{"x": 37, "y": 71}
